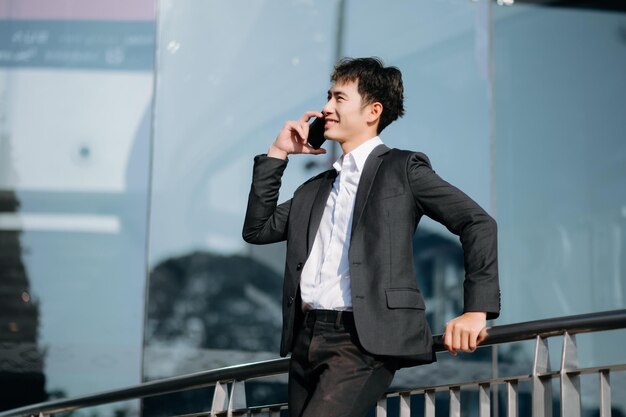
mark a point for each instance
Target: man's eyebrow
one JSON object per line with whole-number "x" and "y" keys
{"x": 336, "y": 93}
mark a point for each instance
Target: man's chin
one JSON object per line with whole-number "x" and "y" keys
{"x": 332, "y": 138}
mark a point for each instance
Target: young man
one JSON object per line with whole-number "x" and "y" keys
{"x": 352, "y": 312}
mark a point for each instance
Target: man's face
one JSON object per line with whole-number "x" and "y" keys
{"x": 346, "y": 118}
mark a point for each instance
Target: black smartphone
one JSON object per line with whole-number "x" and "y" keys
{"x": 316, "y": 133}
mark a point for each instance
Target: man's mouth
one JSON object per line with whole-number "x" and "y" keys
{"x": 330, "y": 122}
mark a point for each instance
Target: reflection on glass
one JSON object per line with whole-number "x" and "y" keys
{"x": 561, "y": 167}
{"x": 213, "y": 305}
{"x": 22, "y": 378}
{"x": 442, "y": 50}
{"x": 224, "y": 92}
{"x": 75, "y": 112}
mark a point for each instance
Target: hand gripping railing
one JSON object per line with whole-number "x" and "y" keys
{"x": 541, "y": 377}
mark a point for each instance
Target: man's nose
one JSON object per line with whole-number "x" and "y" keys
{"x": 328, "y": 108}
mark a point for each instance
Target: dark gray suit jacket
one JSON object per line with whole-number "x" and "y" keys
{"x": 396, "y": 188}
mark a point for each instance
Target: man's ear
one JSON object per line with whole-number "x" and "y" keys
{"x": 375, "y": 111}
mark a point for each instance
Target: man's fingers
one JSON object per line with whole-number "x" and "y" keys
{"x": 482, "y": 335}
{"x": 472, "y": 343}
{"x": 309, "y": 114}
{"x": 296, "y": 128}
{"x": 456, "y": 338}
{"x": 447, "y": 339}
{"x": 465, "y": 340}
{"x": 465, "y": 332}
{"x": 305, "y": 129}
{"x": 309, "y": 150}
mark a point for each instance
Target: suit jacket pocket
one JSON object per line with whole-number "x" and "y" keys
{"x": 404, "y": 298}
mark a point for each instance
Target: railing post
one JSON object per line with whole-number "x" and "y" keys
{"x": 605, "y": 393}
{"x": 220, "y": 399}
{"x": 429, "y": 403}
{"x": 542, "y": 386}
{"x": 511, "y": 395}
{"x": 570, "y": 378}
{"x": 381, "y": 407}
{"x": 405, "y": 405}
{"x": 484, "y": 403}
{"x": 237, "y": 397}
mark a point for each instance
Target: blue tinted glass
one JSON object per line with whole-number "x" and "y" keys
{"x": 442, "y": 50}
{"x": 230, "y": 75}
{"x": 75, "y": 117}
{"x": 229, "y": 78}
{"x": 561, "y": 160}
{"x": 560, "y": 95}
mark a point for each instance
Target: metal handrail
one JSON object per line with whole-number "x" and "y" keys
{"x": 582, "y": 323}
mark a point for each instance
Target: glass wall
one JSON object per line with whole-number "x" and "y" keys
{"x": 107, "y": 211}
{"x": 560, "y": 95}
{"x": 561, "y": 159}
{"x": 442, "y": 51}
{"x": 484, "y": 131}
{"x": 224, "y": 90}
{"x": 229, "y": 75}
{"x": 76, "y": 82}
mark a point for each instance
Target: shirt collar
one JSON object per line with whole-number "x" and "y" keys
{"x": 359, "y": 154}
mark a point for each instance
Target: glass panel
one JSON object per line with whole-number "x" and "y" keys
{"x": 442, "y": 50}
{"x": 229, "y": 76}
{"x": 561, "y": 160}
{"x": 561, "y": 166}
{"x": 76, "y": 81}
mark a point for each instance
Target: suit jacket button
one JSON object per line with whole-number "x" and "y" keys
{"x": 299, "y": 267}
{"x": 290, "y": 301}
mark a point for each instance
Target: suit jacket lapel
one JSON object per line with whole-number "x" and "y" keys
{"x": 326, "y": 184}
{"x": 370, "y": 169}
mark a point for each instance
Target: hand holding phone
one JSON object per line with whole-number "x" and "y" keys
{"x": 293, "y": 138}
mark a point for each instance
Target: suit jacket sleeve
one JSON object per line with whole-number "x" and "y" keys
{"x": 265, "y": 221}
{"x": 477, "y": 231}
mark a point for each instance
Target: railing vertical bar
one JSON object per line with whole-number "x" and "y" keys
{"x": 455, "y": 401}
{"x": 605, "y": 393}
{"x": 381, "y": 407}
{"x": 405, "y": 405}
{"x": 237, "y": 397}
{"x": 484, "y": 402}
{"x": 511, "y": 395}
{"x": 220, "y": 398}
{"x": 570, "y": 378}
{"x": 541, "y": 386}
{"x": 429, "y": 403}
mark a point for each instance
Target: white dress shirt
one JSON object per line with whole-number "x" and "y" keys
{"x": 325, "y": 281}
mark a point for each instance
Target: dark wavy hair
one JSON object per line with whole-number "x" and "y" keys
{"x": 376, "y": 83}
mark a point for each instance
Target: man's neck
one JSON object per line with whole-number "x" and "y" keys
{"x": 350, "y": 145}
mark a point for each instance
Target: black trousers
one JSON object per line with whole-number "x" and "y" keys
{"x": 330, "y": 374}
